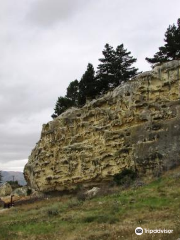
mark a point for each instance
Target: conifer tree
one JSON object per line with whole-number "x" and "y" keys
{"x": 123, "y": 69}
{"x": 115, "y": 67}
{"x": 87, "y": 85}
{"x": 171, "y": 48}
{"x": 73, "y": 92}
{"x": 62, "y": 104}
{"x": 105, "y": 72}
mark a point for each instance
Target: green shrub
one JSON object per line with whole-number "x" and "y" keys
{"x": 29, "y": 191}
{"x": 53, "y": 211}
{"x": 89, "y": 219}
{"x": 81, "y": 196}
{"x": 126, "y": 176}
{"x": 73, "y": 203}
{"x": 107, "y": 218}
{"x": 14, "y": 184}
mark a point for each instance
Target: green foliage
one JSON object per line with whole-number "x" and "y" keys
{"x": 108, "y": 218}
{"x": 73, "y": 92}
{"x": 29, "y": 191}
{"x": 14, "y": 184}
{"x": 115, "y": 67}
{"x": 171, "y": 48}
{"x": 123, "y": 69}
{"x": 126, "y": 176}
{"x": 55, "y": 218}
{"x": 62, "y": 104}
{"x": 105, "y": 72}
{"x": 74, "y": 203}
{"x": 53, "y": 210}
{"x": 87, "y": 85}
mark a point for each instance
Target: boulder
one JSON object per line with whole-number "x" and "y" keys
{"x": 5, "y": 190}
{"x": 22, "y": 191}
{"x": 92, "y": 193}
{"x": 38, "y": 194}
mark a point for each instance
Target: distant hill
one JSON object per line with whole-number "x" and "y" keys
{"x": 18, "y": 176}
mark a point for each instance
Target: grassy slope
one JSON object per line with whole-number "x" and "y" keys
{"x": 155, "y": 205}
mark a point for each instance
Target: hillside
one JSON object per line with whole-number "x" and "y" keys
{"x": 18, "y": 176}
{"x": 155, "y": 205}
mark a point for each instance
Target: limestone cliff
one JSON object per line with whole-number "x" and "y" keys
{"x": 136, "y": 125}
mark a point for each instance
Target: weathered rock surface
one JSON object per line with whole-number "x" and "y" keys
{"x": 136, "y": 125}
{"x": 22, "y": 191}
{"x": 5, "y": 190}
{"x": 92, "y": 192}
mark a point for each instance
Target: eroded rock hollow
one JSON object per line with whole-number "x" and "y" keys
{"x": 137, "y": 125}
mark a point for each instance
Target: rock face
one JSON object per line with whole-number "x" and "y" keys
{"x": 137, "y": 125}
{"x": 23, "y": 191}
{"x": 5, "y": 190}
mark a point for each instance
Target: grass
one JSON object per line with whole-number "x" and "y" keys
{"x": 154, "y": 205}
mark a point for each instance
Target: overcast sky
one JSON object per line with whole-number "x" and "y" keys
{"x": 46, "y": 44}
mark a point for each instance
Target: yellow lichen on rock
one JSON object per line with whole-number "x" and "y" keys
{"x": 136, "y": 125}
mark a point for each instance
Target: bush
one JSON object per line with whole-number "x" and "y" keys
{"x": 53, "y": 211}
{"x": 14, "y": 184}
{"x": 101, "y": 219}
{"x": 73, "y": 203}
{"x": 125, "y": 177}
{"x": 29, "y": 192}
{"x": 81, "y": 196}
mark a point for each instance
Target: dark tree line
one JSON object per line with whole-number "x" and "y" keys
{"x": 115, "y": 67}
{"x": 171, "y": 49}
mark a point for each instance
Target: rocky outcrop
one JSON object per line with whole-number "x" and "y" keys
{"x": 22, "y": 191}
{"x": 5, "y": 190}
{"x": 137, "y": 125}
{"x": 92, "y": 192}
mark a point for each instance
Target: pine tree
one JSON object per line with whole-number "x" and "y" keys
{"x": 123, "y": 69}
{"x": 105, "y": 72}
{"x": 171, "y": 48}
{"x": 73, "y": 92}
{"x": 62, "y": 104}
{"x": 115, "y": 67}
{"x": 87, "y": 85}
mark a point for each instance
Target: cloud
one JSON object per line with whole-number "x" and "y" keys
{"x": 16, "y": 165}
{"x": 48, "y": 12}
{"x": 46, "y": 44}
{"x": 19, "y": 134}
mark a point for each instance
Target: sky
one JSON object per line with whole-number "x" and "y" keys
{"x": 46, "y": 44}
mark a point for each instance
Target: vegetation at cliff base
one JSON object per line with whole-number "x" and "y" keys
{"x": 14, "y": 184}
{"x": 126, "y": 176}
{"x": 155, "y": 205}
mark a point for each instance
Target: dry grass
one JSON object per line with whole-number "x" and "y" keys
{"x": 153, "y": 206}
